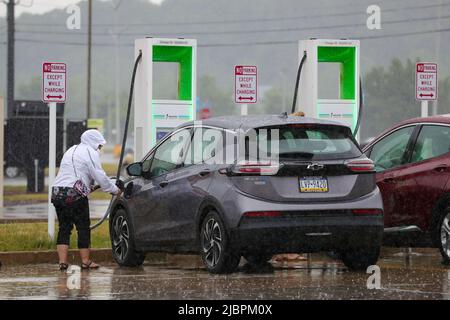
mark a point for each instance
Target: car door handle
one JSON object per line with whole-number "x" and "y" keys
{"x": 441, "y": 168}
{"x": 204, "y": 173}
{"x": 163, "y": 184}
{"x": 389, "y": 180}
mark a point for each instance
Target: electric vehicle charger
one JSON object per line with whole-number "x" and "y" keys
{"x": 120, "y": 183}
{"x": 297, "y": 82}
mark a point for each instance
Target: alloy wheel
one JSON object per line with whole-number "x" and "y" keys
{"x": 121, "y": 237}
{"x": 445, "y": 235}
{"x": 212, "y": 242}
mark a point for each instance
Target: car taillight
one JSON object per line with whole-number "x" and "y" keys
{"x": 365, "y": 165}
{"x": 256, "y": 169}
{"x": 367, "y": 212}
{"x": 262, "y": 214}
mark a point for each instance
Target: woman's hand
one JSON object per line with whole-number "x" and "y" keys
{"x": 118, "y": 193}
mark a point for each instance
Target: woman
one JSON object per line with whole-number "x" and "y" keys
{"x": 80, "y": 167}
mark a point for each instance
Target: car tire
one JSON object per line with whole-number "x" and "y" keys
{"x": 124, "y": 250}
{"x": 361, "y": 258}
{"x": 442, "y": 235}
{"x": 216, "y": 249}
{"x": 12, "y": 172}
{"x": 258, "y": 258}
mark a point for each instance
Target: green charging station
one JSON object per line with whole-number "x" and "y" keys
{"x": 154, "y": 118}
{"x": 345, "y": 107}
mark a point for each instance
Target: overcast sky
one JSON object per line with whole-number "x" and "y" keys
{"x": 43, "y": 6}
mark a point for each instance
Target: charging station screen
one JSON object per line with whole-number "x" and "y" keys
{"x": 161, "y": 133}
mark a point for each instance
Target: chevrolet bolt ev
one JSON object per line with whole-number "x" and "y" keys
{"x": 412, "y": 161}
{"x": 192, "y": 193}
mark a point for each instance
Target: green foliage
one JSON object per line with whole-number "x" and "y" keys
{"x": 219, "y": 101}
{"x": 30, "y": 90}
{"x": 272, "y": 102}
{"x": 33, "y": 236}
{"x": 390, "y": 96}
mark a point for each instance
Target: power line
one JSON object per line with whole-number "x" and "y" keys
{"x": 310, "y": 16}
{"x": 215, "y": 45}
{"x": 348, "y": 25}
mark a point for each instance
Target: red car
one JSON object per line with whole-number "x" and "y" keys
{"x": 412, "y": 161}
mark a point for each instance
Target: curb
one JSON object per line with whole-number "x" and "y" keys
{"x": 37, "y": 257}
{"x": 104, "y": 255}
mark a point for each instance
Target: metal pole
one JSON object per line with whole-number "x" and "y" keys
{"x": 2, "y": 141}
{"x": 115, "y": 34}
{"x": 10, "y": 64}
{"x": 244, "y": 109}
{"x": 117, "y": 84}
{"x": 51, "y": 168}
{"x": 89, "y": 57}
{"x": 36, "y": 175}
{"x": 424, "y": 109}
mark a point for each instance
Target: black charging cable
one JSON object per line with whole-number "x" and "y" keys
{"x": 119, "y": 183}
{"x": 361, "y": 103}
{"x": 299, "y": 72}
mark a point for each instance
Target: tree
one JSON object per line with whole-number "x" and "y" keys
{"x": 220, "y": 102}
{"x": 389, "y": 97}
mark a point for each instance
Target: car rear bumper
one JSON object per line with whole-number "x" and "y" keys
{"x": 307, "y": 227}
{"x": 308, "y": 234}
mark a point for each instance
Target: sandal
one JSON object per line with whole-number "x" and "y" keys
{"x": 63, "y": 267}
{"x": 87, "y": 266}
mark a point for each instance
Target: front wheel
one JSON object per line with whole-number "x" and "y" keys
{"x": 122, "y": 241}
{"x": 216, "y": 250}
{"x": 361, "y": 258}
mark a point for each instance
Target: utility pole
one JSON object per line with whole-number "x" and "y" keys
{"x": 115, "y": 33}
{"x": 10, "y": 67}
{"x": 89, "y": 57}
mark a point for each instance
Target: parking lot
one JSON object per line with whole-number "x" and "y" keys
{"x": 404, "y": 275}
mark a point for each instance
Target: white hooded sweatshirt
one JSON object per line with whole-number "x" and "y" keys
{"x": 86, "y": 159}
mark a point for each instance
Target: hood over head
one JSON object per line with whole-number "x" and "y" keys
{"x": 93, "y": 138}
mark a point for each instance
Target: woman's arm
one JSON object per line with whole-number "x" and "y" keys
{"x": 96, "y": 171}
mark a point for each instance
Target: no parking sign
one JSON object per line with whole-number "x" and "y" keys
{"x": 53, "y": 82}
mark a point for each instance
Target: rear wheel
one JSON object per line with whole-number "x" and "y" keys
{"x": 442, "y": 235}
{"x": 216, "y": 250}
{"x": 122, "y": 241}
{"x": 361, "y": 258}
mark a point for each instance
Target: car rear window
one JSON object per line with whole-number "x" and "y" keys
{"x": 310, "y": 142}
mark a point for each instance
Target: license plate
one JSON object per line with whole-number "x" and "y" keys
{"x": 313, "y": 184}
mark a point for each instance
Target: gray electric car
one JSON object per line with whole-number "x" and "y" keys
{"x": 250, "y": 186}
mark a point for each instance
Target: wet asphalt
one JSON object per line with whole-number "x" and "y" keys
{"x": 404, "y": 275}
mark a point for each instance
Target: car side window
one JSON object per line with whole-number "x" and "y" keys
{"x": 433, "y": 141}
{"x": 388, "y": 152}
{"x": 169, "y": 155}
{"x": 206, "y": 145}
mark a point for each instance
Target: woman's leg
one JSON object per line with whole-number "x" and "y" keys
{"x": 63, "y": 251}
{"x": 65, "y": 229}
{"x": 83, "y": 223}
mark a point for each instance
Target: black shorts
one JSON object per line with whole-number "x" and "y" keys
{"x": 76, "y": 214}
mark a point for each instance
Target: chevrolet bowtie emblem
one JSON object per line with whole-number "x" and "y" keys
{"x": 315, "y": 166}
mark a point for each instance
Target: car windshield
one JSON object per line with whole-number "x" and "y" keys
{"x": 309, "y": 142}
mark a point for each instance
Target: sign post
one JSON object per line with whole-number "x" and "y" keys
{"x": 53, "y": 91}
{"x": 2, "y": 155}
{"x": 245, "y": 86}
{"x": 426, "y": 85}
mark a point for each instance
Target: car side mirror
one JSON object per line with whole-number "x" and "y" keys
{"x": 135, "y": 169}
